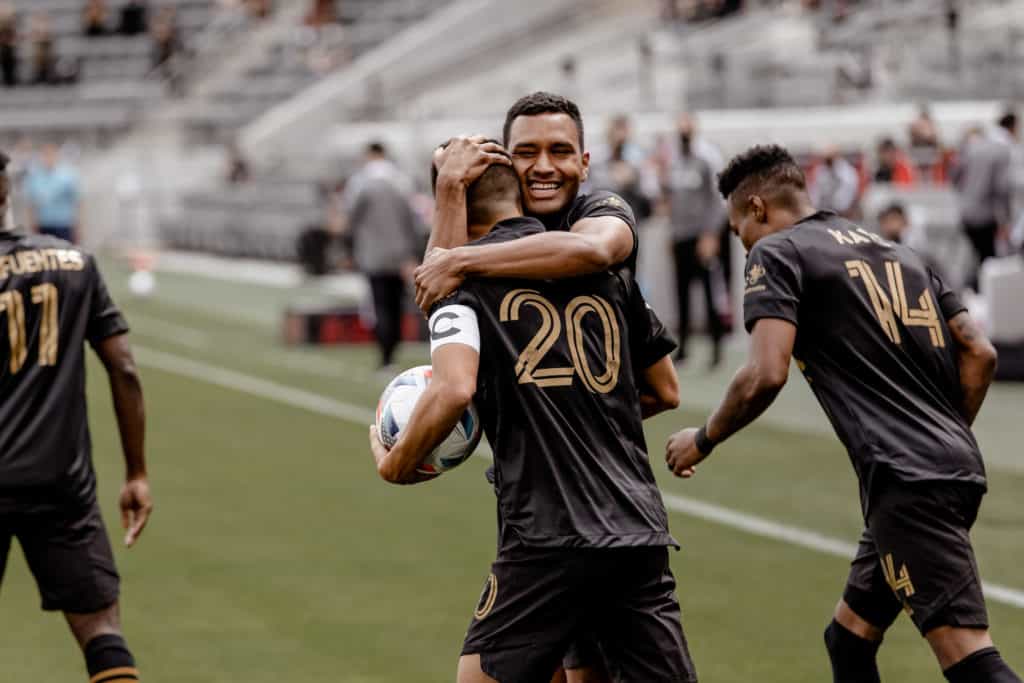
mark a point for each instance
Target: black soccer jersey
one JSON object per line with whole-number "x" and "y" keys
{"x": 559, "y": 401}
{"x": 873, "y": 343}
{"x": 594, "y": 205}
{"x": 52, "y": 299}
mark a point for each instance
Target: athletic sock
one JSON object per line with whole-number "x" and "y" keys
{"x": 108, "y": 660}
{"x": 984, "y": 666}
{"x": 853, "y": 657}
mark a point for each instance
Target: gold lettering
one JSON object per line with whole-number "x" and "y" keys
{"x": 840, "y": 237}
{"x": 879, "y": 301}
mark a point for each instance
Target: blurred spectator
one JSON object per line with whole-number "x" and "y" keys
{"x": 44, "y": 56}
{"x": 617, "y": 164}
{"x": 321, "y": 13}
{"x": 981, "y": 177}
{"x": 834, "y": 183}
{"x": 94, "y": 18}
{"x": 386, "y": 241}
{"x": 238, "y": 166}
{"x": 8, "y": 45}
{"x": 259, "y": 9}
{"x": 134, "y": 18}
{"x": 696, "y": 214}
{"x": 893, "y": 166}
{"x": 894, "y": 225}
{"x": 166, "y": 44}
{"x": 53, "y": 195}
{"x": 923, "y": 132}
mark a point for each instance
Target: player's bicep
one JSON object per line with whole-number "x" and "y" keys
{"x": 771, "y": 348}
{"x": 968, "y": 336}
{"x": 610, "y": 236}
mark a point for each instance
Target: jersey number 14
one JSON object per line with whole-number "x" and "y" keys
{"x": 13, "y": 304}
{"x": 893, "y": 306}
{"x": 549, "y": 332}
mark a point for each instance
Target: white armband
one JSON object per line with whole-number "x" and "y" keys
{"x": 454, "y": 324}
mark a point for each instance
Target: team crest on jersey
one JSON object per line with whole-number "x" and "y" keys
{"x": 755, "y": 274}
{"x": 613, "y": 202}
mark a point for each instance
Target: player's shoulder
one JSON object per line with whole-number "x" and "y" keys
{"x": 600, "y": 203}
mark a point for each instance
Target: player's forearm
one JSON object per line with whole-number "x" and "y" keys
{"x": 659, "y": 389}
{"x": 550, "y": 255}
{"x": 750, "y": 393}
{"x": 449, "y": 228}
{"x": 436, "y": 414}
{"x": 977, "y": 369}
{"x": 129, "y": 406}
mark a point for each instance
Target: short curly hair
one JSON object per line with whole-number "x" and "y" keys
{"x": 759, "y": 166}
{"x": 539, "y": 103}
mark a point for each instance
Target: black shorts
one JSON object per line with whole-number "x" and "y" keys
{"x": 916, "y": 555}
{"x": 537, "y": 602}
{"x": 69, "y": 554}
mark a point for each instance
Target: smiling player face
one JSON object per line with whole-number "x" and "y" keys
{"x": 549, "y": 160}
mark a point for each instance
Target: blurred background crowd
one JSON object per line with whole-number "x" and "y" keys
{"x": 300, "y": 131}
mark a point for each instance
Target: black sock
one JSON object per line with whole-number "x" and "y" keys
{"x": 853, "y": 657}
{"x": 108, "y": 660}
{"x": 984, "y": 666}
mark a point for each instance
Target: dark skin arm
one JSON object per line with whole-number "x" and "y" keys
{"x": 591, "y": 246}
{"x": 659, "y": 389}
{"x": 437, "y": 411}
{"x": 977, "y": 359}
{"x": 126, "y": 389}
{"x": 753, "y": 389}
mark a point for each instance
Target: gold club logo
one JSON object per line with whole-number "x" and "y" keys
{"x": 755, "y": 273}
{"x": 487, "y": 598}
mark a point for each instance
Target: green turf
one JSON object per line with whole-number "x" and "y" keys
{"x": 275, "y": 554}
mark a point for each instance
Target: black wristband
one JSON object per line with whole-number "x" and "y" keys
{"x": 703, "y": 443}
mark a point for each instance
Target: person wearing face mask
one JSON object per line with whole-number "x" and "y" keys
{"x": 696, "y": 214}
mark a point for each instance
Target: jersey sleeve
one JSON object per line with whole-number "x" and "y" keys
{"x": 949, "y": 302}
{"x": 105, "y": 319}
{"x": 603, "y": 203}
{"x": 453, "y": 320}
{"x": 773, "y": 282}
{"x": 649, "y": 340}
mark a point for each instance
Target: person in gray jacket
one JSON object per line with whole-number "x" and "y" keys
{"x": 386, "y": 237}
{"x": 981, "y": 177}
{"x": 696, "y": 215}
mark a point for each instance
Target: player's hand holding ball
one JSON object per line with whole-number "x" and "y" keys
{"x": 681, "y": 453}
{"x": 136, "y": 505}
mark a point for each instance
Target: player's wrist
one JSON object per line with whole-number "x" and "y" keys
{"x": 703, "y": 442}
{"x": 452, "y": 182}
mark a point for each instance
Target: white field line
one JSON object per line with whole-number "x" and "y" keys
{"x": 179, "y": 335}
{"x": 752, "y": 524}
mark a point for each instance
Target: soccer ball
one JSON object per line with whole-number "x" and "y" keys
{"x": 395, "y": 408}
{"x": 142, "y": 283}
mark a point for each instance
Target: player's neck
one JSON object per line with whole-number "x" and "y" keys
{"x": 479, "y": 228}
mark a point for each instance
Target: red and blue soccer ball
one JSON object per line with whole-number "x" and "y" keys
{"x": 395, "y": 408}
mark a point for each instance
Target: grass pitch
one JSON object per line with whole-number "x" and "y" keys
{"x": 275, "y": 553}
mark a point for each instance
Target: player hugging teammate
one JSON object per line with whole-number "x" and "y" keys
{"x": 582, "y": 560}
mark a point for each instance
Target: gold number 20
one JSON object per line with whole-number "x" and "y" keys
{"x": 13, "y": 304}
{"x": 551, "y": 328}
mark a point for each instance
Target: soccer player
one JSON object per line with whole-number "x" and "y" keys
{"x": 901, "y": 370}
{"x": 587, "y": 233}
{"x": 52, "y": 300}
{"x": 583, "y": 532}
{"x": 590, "y": 233}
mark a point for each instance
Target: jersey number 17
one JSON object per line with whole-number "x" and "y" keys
{"x": 13, "y": 304}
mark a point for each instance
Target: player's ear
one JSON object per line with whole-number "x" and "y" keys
{"x": 585, "y": 161}
{"x": 758, "y": 209}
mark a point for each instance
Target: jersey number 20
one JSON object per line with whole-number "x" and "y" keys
{"x": 13, "y": 304}
{"x": 551, "y": 329}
